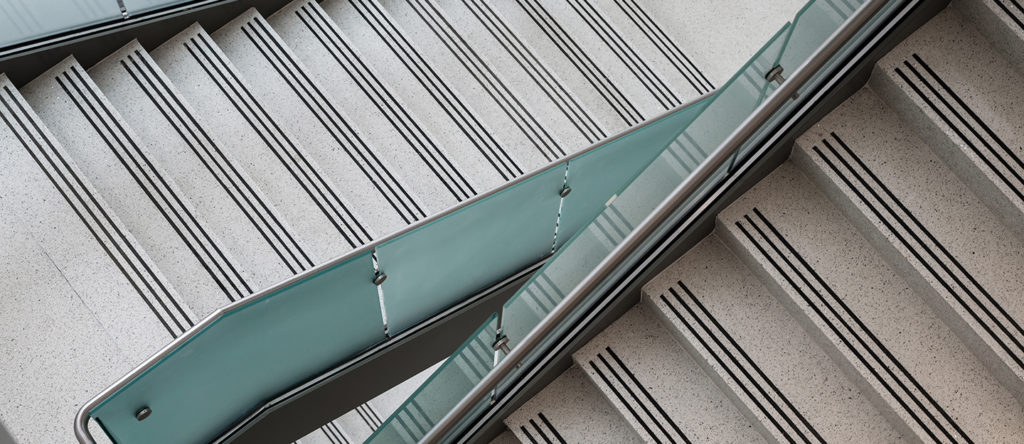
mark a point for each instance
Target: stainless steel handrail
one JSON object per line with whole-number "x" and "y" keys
{"x": 82, "y": 417}
{"x": 659, "y": 216}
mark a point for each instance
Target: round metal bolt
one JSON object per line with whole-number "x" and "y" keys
{"x": 381, "y": 277}
{"x": 565, "y": 191}
{"x": 143, "y": 413}
{"x": 774, "y": 73}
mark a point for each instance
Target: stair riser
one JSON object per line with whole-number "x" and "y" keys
{"x": 954, "y": 318}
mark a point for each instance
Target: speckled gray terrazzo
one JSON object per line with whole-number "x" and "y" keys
{"x": 998, "y": 26}
{"x": 145, "y": 217}
{"x": 988, "y": 251}
{"x": 46, "y": 324}
{"x": 306, "y": 29}
{"x": 207, "y": 80}
{"x": 576, "y": 410}
{"x": 775, "y": 342}
{"x": 420, "y": 99}
{"x": 881, "y": 299}
{"x": 672, "y": 377}
{"x": 209, "y": 187}
{"x": 987, "y": 83}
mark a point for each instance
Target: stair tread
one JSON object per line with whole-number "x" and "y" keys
{"x": 719, "y": 47}
{"x": 515, "y": 115}
{"x": 577, "y": 52}
{"x": 875, "y": 301}
{"x": 957, "y": 250}
{"x": 569, "y": 409}
{"x": 306, "y": 196}
{"x": 979, "y": 94}
{"x": 48, "y": 323}
{"x": 678, "y": 398}
{"x": 168, "y": 130}
{"x": 152, "y": 206}
{"x": 759, "y": 351}
{"x": 452, "y": 118}
{"x": 303, "y": 105}
{"x": 82, "y": 236}
{"x": 525, "y": 71}
{"x": 1002, "y": 22}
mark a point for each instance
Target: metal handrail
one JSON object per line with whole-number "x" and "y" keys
{"x": 687, "y": 189}
{"x": 82, "y": 417}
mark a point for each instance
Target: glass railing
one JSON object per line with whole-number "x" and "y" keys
{"x": 260, "y": 347}
{"x": 699, "y": 133}
{"x": 24, "y": 21}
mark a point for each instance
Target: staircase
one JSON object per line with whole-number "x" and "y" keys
{"x": 144, "y": 192}
{"x": 867, "y": 290}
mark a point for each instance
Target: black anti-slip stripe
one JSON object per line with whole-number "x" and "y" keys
{"x": 581, "y": 61}
{"x": 647, "y": 395}
{"x": 970, "y": 111}
{"x": 970, "y": 143}
{"x": 173, "y": 103}
{"x": 860, "y": 323}
{"x": 738, "y": 363}
{"x": 367, "y": 81}
{"x": 486, "y": 77}
{"x": 835, "y": 330}
{"x": 654, "y": 32}
{"x": 537, "y": 71}
{"x": 640, "y": 69}
{"x": 1002, "y": 5}
{"x": 338, "y": 125}
{"x": 409, "y": 128}
{"x": 195, "y": 144}
{"x": 540, "y": 432}
{"x": 528, "y": 435}
{"x": 178, "y": 222}
{"x": 425, "y": 74}
{"x": 899, "y": 366}
{"x": 282, "y": 146}
{"x": 296, "y": 80}
{"x": 622, "y": 400}
{"x": 901, "y": 220}
{"x": 82, "y": 201}
{"x": 551, "y": 427}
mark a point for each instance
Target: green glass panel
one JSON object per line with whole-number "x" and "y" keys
{"x": 443, "y": 390}
{"x": 440, "y": 264}
{"x": 601, "y": 173}
{"x": 24, "y": 20}
{"x": 249, "y": 356}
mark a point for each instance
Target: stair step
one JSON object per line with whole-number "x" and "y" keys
{"x": 757, "y": 353}
{"x": 230, "y": 201}
{"x": 965, "y": 100}
{"x": 1001, "y": 21}
{"x": 512, "y": 113}
{"x": 385, "y": 202}
{"x": 917, "y": 214}
{"x": 569, "y": 409}
{"x": 657, "y": 387}
{"x": 138, "y": 189}
{"x": 451, "y": 117}
{"x": 396, "y": 136}
{"x": 569, "y": 43}
{"x": 49, "y": 319}
{"x": 526, "y": 39}
{"x": 717, "y": 40}
{"x": 295, "y": 183}
{"x": 882, "y": 333}
{"x": 108, "y": 270}
{"x": 523, "y": 70}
